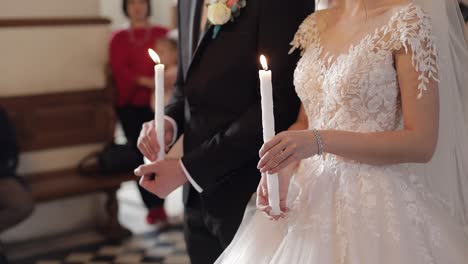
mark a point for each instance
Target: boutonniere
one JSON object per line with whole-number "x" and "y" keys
{"x": 220, "y": 12}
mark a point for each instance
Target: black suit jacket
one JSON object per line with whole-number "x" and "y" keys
{"x": 216, "y": 103}
{"x": 464, "y": 10}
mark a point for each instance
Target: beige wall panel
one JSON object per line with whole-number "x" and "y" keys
{"x": 49, "y": 8}
{"x": 41, "y": 60}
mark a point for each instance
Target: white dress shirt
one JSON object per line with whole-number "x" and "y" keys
{"x": 187, "y": 174}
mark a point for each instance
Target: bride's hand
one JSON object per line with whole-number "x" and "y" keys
{"x": 286, "y": 148}
{"x": 262, "y": 192}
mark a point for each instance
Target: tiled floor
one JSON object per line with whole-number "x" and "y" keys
{"x": 159, "y": 247}
{"x": 150, "y": 244}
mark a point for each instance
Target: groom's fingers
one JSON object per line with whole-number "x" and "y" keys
{"x": 146, "y": 169}
{"x": 150, "y": 139}
{"x": 168, "y": 137}
{"x": 146, "y": 151}
{"x": 142, "y": 146}
{"x": 146, "y": 182}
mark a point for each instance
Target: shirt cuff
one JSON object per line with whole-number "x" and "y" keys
{"x": 190, "y": 179}
{"x": 174, "y": 127}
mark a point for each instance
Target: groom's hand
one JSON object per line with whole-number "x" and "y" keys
{"x": 162, "y": 177}
{"x": 147, "y": 143}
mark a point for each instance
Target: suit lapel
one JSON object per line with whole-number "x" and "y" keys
{"x": 185, "y": 33}
{"x": 203, "y": 41}
{"x": 189, "y": 31}
{"x": 195, "y": 17}
{"x": 190, "y": 12}
{"x": 196, "y": 43}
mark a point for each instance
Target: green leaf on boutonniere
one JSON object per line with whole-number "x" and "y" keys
{"x": 216, "y": 30}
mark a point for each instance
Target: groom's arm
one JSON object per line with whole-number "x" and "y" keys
{"x": 176, "y": 107}
{"x": 239, "y": 144}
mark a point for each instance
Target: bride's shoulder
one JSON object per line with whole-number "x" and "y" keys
{"x": 315, "y": 22}
{"x": 319, "y": 18}
{"x": 410, "y": 19}
{"x": 408, "y": 11}
{"x": 307, "y": 33}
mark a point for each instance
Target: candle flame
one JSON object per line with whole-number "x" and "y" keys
{"x": 154, "y": 56}
{"x": 264, "y": 63}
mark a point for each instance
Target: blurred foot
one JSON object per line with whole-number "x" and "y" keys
{"x": 3, "y": 258}
{"x": 156, "y": 215}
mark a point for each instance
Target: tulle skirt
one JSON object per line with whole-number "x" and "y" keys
{"x": 343, "y": 212}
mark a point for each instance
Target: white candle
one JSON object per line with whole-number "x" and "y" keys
{"x": 159, "y": 102}
{"x": 268, "y": 121}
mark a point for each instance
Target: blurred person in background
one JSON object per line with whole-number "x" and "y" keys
{"x": 133, "y": 73}
{"x": 16, "y": 202}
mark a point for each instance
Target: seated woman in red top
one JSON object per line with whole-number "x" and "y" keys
{"x": 133, "y": 72}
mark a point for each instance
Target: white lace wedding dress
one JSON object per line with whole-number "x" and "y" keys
{"x": 345, "y": 212}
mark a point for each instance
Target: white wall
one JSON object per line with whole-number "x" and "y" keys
{"x": 113, "y": 9}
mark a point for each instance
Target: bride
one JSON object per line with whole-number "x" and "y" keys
{"x": 382, "y": 85}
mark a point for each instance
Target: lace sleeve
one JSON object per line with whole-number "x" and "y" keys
{"x": 415, "y": 36}
{"x": 306, "y": 35}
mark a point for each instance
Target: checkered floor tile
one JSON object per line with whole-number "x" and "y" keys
{"x": 164, "y": 247}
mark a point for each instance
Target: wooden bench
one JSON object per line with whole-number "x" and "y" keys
{"x": 65, "y": 120}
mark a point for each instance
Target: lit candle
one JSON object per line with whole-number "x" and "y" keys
{"x": 159, "y": 102}
{"x": 268, "y": 121}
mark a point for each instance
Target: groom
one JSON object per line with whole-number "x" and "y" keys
{"x": 216, "y": 105}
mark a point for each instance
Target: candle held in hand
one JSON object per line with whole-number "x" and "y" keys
{"x": 268, "y": 122}
{"x": 159, "y": 102}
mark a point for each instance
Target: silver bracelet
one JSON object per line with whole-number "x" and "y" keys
{"x": 319, "y": 142}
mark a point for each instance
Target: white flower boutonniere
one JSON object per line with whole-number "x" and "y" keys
{"x": 221, "y": 12}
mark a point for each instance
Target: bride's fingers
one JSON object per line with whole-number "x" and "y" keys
{"x": 270, "y": 144}
{"x": 261, "y": 201}
{"x": 262, "y": 204}
{"x": 262, "y": 198}
{"x": 276, "y": 217}
{"x": 283, "y": 207}
{"x": 291, "y": 159}
{"x": 278, "y": 159}
{"x": 266, "y": 210}
{"x": 271, "y": 154}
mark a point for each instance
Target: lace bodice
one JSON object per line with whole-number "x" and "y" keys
{"x": 358, "y": 90}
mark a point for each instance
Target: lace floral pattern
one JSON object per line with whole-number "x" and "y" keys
{"x": 358, "y": 90}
